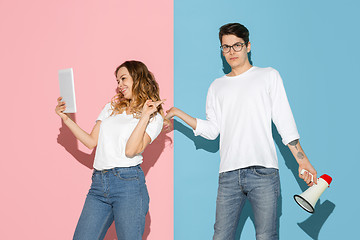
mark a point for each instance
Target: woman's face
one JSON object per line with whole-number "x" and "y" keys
{"x": 125, "y": 82}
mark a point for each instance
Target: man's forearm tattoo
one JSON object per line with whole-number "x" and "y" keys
{"x": 299, "y": 154}
{"x": 294, "y": 143}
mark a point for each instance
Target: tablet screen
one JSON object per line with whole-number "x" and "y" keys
{"x": 67, "y": 89}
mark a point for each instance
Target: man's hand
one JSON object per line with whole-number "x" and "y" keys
{"x": 309, "y": 170}
{"x": 171, "y": 113}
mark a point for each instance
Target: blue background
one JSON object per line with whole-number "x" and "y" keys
{"x": 315, "y": 47}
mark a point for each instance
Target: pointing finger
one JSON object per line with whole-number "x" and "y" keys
{"x": 157, "y": 103}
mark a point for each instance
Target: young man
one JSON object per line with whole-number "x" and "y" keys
{"x": 240, "y": 106}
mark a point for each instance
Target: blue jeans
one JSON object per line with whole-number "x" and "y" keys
{"x": 119, "y": 195}
{"x": 258, "y": 184}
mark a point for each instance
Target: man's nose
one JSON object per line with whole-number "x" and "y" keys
{"x": 231, "y": 50}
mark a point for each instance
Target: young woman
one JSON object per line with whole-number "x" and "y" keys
{"x": 126, "y": 125}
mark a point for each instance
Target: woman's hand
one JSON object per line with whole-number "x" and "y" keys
{"x": 171, "y": 113}
{"x": 60, "y": 108}
{"x": 150, "y": 107}
{"x": 192, "y": 122}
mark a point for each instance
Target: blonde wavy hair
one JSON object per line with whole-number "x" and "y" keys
{"x": 144, "y": 88}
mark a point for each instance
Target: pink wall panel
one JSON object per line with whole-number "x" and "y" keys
{"x": 45, "y": 174}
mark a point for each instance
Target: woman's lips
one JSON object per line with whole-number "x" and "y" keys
{"x": 123, "y": 90}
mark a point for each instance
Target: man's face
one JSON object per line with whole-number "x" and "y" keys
{"x": 233, "y": 58}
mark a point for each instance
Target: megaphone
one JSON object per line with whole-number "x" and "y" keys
{"x": 308, "y": 199}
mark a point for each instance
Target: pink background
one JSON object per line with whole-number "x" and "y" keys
{"x": 45, "y": 175}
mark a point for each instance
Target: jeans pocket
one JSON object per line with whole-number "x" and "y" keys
{"x": 264, "y": 172}
{"x": 128, "y": 174}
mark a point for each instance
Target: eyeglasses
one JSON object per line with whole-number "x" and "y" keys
{"x": 236, "y": 47}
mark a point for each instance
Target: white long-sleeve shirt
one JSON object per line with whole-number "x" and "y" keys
{"x": 241, "y": 109}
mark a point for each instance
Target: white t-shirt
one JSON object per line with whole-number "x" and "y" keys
{"x": 241, "y": 109}
{"x": 114, "y": 133}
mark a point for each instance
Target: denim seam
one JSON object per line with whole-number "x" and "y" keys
{"x": 103, "y": 226}
{"x": 141, "y": 210}
{"x": 240, "y": 182}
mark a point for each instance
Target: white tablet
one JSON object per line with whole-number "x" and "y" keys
{"x": 67, "y": 89}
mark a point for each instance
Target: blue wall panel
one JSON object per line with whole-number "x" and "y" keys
{"x": 315, "y": 47}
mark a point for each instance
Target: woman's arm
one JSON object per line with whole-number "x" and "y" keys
{"x": 303, "y": 162}
{"x": 182, "y": 115}
{"x": 139, "y": 139}
{"x": 89, "y": 140}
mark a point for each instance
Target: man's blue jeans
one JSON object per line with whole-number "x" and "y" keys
{"x": 119, "y": 195}
{"x": 258, "y": 184}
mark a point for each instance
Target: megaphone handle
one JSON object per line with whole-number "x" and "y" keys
{"x": 303, "y": 171}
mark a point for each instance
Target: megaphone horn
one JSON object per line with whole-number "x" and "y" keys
{"x": 308, "y": 199}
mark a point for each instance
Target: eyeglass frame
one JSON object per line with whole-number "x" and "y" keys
{"x": 232, "y": 46}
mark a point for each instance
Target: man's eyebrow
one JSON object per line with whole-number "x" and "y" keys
{"x": 232, "y": 44}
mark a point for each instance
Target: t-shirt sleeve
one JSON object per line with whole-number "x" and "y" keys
{"x": 281, "y": 113}
{"x": 209, "y": 128}
{"x": 105, "y": 113}
{"x": 154, "y": 127}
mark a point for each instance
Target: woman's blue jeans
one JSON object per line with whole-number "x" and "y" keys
{"x": 258, "y": 184}
{"x": 119, "y": 195}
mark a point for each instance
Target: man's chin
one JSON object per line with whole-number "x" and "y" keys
{"x": 232, "y": 65}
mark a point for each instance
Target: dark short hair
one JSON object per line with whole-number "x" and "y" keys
{"x": 236, "y": 29}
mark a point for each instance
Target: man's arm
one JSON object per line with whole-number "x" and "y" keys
{"x": 205, "y": 128}
{"x": 208, "y": 128}
{"x": 182, "y": 115}
{"x": 303, "y": 162}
